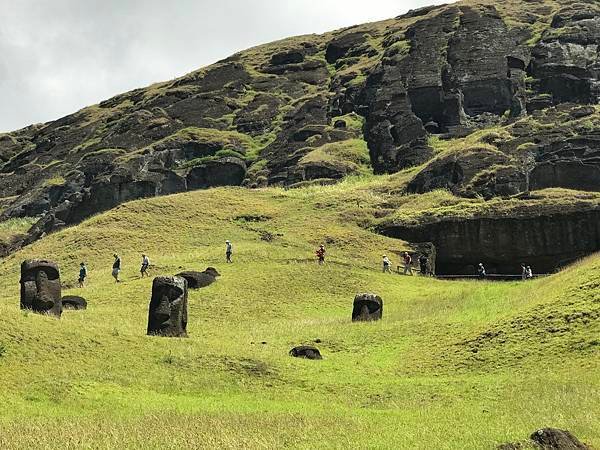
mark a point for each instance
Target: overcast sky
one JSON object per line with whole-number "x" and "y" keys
{"x": 57, "y": 56}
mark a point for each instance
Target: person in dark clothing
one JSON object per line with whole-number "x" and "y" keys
{"x": 228, "y": 251}
{"x": 423, "y": 264}
{"x": 116, "y": 268}
{"x": 82, "y": 274}
{"x": 523, "y": 271}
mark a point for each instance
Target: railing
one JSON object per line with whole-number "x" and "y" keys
{"x": 492, "y": 276}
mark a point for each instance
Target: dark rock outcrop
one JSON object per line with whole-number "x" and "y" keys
{"x": 306, "y": 351}
{"x": 367, "y": 308}
{"x": 40, "y": 287}
{"x": 197, "y": 280}
{"x": 74, "y": 302}
{"x": 167, "y": 312}
{"x": 547, "y": 241}
{"x": 447, "y": 70}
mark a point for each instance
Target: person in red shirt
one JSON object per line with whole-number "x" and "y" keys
{"x": 321, "y": 255}
{"x": 407, "y": 264}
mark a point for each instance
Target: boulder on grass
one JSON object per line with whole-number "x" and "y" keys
{"x": 306, "y": 351}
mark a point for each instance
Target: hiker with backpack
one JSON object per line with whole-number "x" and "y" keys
{"x": 386, "y": 264}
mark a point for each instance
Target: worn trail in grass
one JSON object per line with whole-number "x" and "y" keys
{"x": 452, "y": 365}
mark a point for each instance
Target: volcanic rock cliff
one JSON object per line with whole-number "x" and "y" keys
{"x": 486, "y": 98}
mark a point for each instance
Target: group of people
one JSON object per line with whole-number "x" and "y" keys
{"x": 116, "y": 266}
{"x": 408, "y": 263}
{"x": 526, "y": 271}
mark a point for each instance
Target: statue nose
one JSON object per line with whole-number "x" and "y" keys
{"x": 43, "y": 296}
{"x": 163, "y": 312}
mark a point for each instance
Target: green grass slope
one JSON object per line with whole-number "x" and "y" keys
{"x": 453, "y": 365}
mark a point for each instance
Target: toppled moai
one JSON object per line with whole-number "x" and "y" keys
{"x": 306, "y": 351}
{"x": 74, "y": 302}
{"x": 40, "y": 287}
{"x": 197, "y": 280}
{"x": 367, "y": 307}
{"x": 167, "y": 315}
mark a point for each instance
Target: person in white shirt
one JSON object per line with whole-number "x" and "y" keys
{"x": 386, "y": 264}
{"x": 228, "y": 251}
{"x": 145, "y": 265}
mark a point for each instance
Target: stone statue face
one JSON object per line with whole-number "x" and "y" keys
{"x": 367, "y": 307}
{"x": 40, "y": 287}
{"x": 167, "y": 315}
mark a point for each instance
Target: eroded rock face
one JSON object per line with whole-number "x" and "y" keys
{"x": 546, "y": 242}
{"x": 167, "y": 315}
{"x": 40, "y": 287}
{"x": 566, "y": 62}
{"x": 448, "y": 69}
{"x": 367, "y": 308}
{"x": 306, "y": 351}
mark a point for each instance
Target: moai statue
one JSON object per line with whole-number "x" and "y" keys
{"x": 367, "y": 307}
{"x": 40, "y": 287}
{"x": 306, "y": 351}
{"x": 197, "y": 280}
{"x": 167, "y": 315}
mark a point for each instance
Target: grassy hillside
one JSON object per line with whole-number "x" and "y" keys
{"x": 452, "y": 365}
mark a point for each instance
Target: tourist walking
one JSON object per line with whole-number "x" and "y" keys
{"x": 481, "y": 271}
{"x": 82, "y": 274}
{"x": 523, "y": 271}
{"x": 529, "y": 273}
{"x": 145, "y": 265}
{"x": 407, "y": 264}
{"x": 321, "y": 254}
{"x": 228, "y": 251}
{"x": 386, "y": 264}
{"x": 116, "y": 268}
{"x": 423, "y": 264}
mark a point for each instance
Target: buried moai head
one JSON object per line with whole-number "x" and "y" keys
{"x": 40, "y": 287}
{"x": 367, "y": 307}
{"x": 167, "y": 315}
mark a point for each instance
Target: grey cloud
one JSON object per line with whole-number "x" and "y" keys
{"x": 61, "y": 55}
